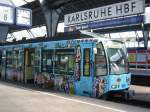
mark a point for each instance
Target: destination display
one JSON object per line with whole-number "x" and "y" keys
{"x": 23, "y": 17}
{"x": 132, "y": 7}
{"x": 6, "y": 15}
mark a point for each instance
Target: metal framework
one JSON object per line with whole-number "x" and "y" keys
{"x": 66, "y": 6}
{"x": 51, "y": 12}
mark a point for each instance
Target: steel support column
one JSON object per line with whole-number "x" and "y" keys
{"x": 51, "y": 16}
{"x": 3, "y": 33}
{"x": 146, "y": 36}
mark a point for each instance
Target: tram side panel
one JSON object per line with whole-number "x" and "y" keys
{"x": 77, "y": 67}
{"x": 69, "y": 66}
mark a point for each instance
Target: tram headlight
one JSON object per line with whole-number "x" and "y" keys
{"x": 113, "y": 86}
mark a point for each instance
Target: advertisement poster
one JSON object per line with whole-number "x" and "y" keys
{"x": 132, "y": 57}
{"x": 6, "y": 15}
{"x": 141, "y": 57}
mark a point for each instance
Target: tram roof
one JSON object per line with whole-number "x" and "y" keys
{"x": 61, "y": 36}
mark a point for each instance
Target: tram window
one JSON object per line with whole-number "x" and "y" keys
{"x": 86, "y": 62}
{"x": 100, "y": 61}
{"x": 12, "y": 59}
{"x": 9, "y": 59}
{"x": 64, "y": 62}
{"x": 31, "y": 59}
{"x": 0, "y": 57}
{"x": 47, "y": 63}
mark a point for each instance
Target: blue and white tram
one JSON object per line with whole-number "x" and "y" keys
{"x": 91, "y": 66}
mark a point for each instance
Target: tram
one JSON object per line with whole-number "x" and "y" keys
{"x": 81, "y": 63}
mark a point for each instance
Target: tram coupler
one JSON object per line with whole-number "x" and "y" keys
{"x": 128, "y": 94}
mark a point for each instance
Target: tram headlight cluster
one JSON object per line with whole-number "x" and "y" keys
{"x": 114, "y": 86}
{"x": 117, "y": 84}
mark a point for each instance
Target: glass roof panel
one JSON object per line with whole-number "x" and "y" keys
{"x": 43, "y": 30}
{"x": 127, "y": 34}
{"x": 60, "y": 27}
{"x": 21, "y": 2}
{"x": 19, "y": 35}
{"x": 149, "y": 44}
{"x": 147, "y": 15}
{"x": 31, "y": 33}
{"x": 115, "y": 35}
{"x": 39, "y": 31}
{"x": 140, "y": 33}
{"x": 10, "y": 37}
{"x": 7, "y": 2}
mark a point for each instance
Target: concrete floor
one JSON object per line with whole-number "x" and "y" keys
{"x": 18, "y": 99}
{"x": 142, "y": 93}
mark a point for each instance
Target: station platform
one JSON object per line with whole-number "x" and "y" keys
{"x": 142, "y": 93}
{"x": 29, "y": 99}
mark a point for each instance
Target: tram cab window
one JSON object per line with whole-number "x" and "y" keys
{"x": 47, "y": 63}
{"x": 64, "y": 62}
{"x": 100, "y": 60}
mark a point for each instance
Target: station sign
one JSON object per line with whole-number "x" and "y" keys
{"x": 23, "y": 17}
{"x": 133, "y": 20}
{"x": 6, "y": 14}
{"x": 132, "y": 7}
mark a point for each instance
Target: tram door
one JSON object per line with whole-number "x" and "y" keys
{"x": 3, "y": 65}
{"x": 21, "y": 65}
{"x": 37, "y": 61}
{"x": 100, "y": 64}
{"x": 0, "y": 63}
{"x": 29, "y": 65}
{"x": 84, "y": 85}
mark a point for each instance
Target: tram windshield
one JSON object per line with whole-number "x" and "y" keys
{"x": 117, "y": 55}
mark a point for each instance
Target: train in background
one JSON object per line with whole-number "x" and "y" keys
{"x": 91, "y": 66}
{"x": 139, "y": 65}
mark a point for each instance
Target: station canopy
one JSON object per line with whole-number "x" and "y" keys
{"x": 39, "y": 28}
{"x": 29, "y": 33}
{"x": 34, "y": 32}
